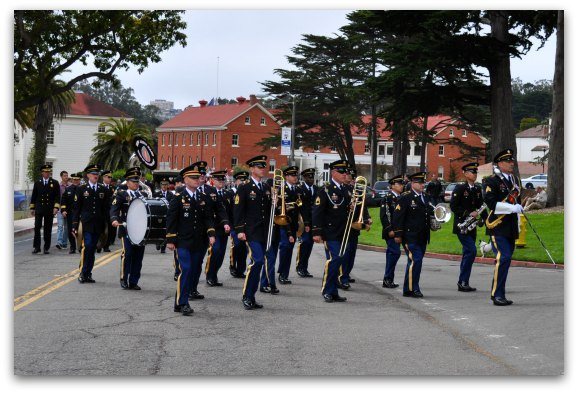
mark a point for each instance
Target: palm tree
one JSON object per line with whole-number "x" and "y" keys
{"x": 115, "y": 144}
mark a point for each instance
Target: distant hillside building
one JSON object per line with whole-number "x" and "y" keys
{"x": 166, "y": 109}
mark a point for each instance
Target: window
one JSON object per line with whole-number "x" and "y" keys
{"x": 214, "y": 139}
{"x": 170, "y": 139}
{"x": 184, "y": 140}
{"x": 247, "y": 120}
{"x": 235, "y": 140}
{"x": 101, "y": 128}
{"x": 176, "y": 139}
{"x": 16, "y": 171}
{"x": 451, "y": 132}
{"x": 183, "y": 161}
{"x": 417, "y": 150}
{"x": 263, "y": 122}
{"x": 213, "y": 162}
{"x": 199, "y": 139}
{"x": 465, "y": 133}
{"x": 272, "y": 163}
{"x": 163, "y": 140}
{"x": 50, "y": 135}
{"x": 441, "y": 150}
{"x": 170, "y": 162}
{"x": 190, "y": 160}
{"x": 234, "y": 161}
{"x": 192, "y": 139}
{"x": 366, "y": 148}
{"x": 381, "y": 150}
{"x": 197, "y": 160}
{"x": 441, "y": 172}
{"x": 390, "y": 150}
{"x": 206, "y": 139}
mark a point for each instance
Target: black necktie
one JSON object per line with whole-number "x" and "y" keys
{"x": 137, "y": 194}
{"x": 260, "y": 186}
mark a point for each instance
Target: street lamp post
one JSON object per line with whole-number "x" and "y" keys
{"x": 543, "y": 155}
{"x": 292, "y": 102}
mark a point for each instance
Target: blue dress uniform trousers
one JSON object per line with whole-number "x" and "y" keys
{"x": 415, "y": 253}
{"x": 238, "y": 254}
{"x": 176, "y": 262}
{"x": 468, "y": 256}
{"x": 332, "y": 265}
{"x": 268, "y": 270}
{"x": 197, "y": 272}
{"x": 190, "y": 261}
{"x": 304, "y": 251}
{"x": 89, "y": 241}
{"x": 392, "y": 255}
{"x": 130, "y": 261}
{"x": 285, "y": 254}
{"x": 348, "y": 260}
{"x": 256, "y": 252}
{"x": 503, "y": 248}
{"x": 216, "y": 256}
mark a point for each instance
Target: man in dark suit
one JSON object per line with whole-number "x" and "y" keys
{"x": 411, "y": 225}
{"x": 106, "y": 182}
{"x": 67, "y": 208}
{"x": 168, "y": 195}
{"x": 238, "y": 251}
{"x": 393, "y": 252}
{"x": 44, "y": 205}
{"x": 89, "y": 210}
{"x": 308, "y": 193}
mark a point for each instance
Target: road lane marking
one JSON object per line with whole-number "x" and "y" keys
{"x": 53, "y": 285}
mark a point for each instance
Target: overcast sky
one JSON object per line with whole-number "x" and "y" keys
{"x": 250, "y": 44}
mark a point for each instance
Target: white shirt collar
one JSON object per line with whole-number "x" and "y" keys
{"x": 91, "y": 185}
{"x": 255, "y": 181}
{"x": 191, "y": 193}
{"x": 337, "y": 184}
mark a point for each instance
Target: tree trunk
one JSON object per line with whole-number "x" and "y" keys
{"x": 38, "y": 154}
{"x": 373, "y": 146}
{"x": 503, "y": 133}
{"x": 400, "y": 146}
{"x": 423, "y": 143}
{"x": 556, "y": 152}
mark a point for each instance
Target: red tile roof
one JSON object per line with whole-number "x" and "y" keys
{"x": 207, "y": 116}
{"x": 540, "y": 131}
{"x": 86, "y": 105}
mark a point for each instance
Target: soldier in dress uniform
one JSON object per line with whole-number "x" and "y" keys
{"x": 44, "y": 205}
{"x": 190, "y": 231}
{"x": 218, "y": 249}
{"x": 132, "y": 255}
{"x": 411, "y": 225}
{"x": 166, "y": 194}
{"x": 107, "y": 183}
{"x": 393, "y": 252}
{"x": 502, "y": 196}
{"x": 251, "y": 211}
{"x": 89, "y": 210}
{"x": 67, "y": 208}
{"x": 466, "y": 200}
{"x": 329, "y": 220}
{"x": 308, "y": 192}
{"x": 179, "y": 188}
{"x": 288, "y": 234}
{"x": 238, "y": 251}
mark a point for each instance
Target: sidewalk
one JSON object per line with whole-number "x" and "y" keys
{"x": 26, "y": 225}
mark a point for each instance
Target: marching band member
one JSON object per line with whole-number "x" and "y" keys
{"x": 329, "y": 222}
{"x": 89, "y": 209}
{"x": 189, "y": 226}
{"x": 251, "y": 210}
{"x": 106, "y": 182}
{"x": 393, "y": 252}
{"x": 238, "y": 250}
{"x": 308, "y": 192}
{"x": 67, "y": 208}
{"x": 466, "y": 200}
{"x": 503, "y": 200}
{"x": 166, "y": 194}
{"x": 411, "y": 225}
{"x": 288, "y": 234}
{"x": 132, "y": 255}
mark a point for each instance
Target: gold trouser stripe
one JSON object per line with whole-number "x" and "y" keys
{"x": 208, "y": 264}
{"x": 410, "y": 267}
{"x": 497, "y": 267}
{"x": 248, "y": 268}
{"x": 298, "y": 252}
{"x": 326, "y": 270}
{"x": 231, "y": 251}
{"x": 81, "y": 264}
{"x": 175, "y": 259}
{"x": 122, "y": 256}
{"x": 178, "y": 294}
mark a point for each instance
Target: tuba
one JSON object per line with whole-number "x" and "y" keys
{"x": 441, "y": 216}
{"x": 357, "y": 199}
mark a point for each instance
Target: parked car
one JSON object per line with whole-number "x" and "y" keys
{"x": 19, "y": 200}
{"x": 535, "y": 181}
{"x": 448, "y": 192}
{"x": 381, "y": 187}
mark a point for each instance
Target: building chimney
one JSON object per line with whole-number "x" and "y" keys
{"x": 203, "y": 103}
{"x": 253, "y": 99}
{"x": 241, "y": 100}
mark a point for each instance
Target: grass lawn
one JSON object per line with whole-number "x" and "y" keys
{"x": 19, "y": 215}
{"x": 550, "y": 228}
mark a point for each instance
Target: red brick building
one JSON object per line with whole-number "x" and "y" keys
{"x": 223, "y": 136}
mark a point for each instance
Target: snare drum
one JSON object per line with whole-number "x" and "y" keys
{"x": 146, "y": 221}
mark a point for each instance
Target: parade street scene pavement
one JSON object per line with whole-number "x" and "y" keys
{"x": 62, "y": 327}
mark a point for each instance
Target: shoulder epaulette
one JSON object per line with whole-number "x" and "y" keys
{"x": 406, "y": 192}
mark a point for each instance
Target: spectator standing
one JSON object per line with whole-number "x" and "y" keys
{"x": 62, "y": 232}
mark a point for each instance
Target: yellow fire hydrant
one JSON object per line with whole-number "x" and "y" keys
{"x": 521, "y": 241}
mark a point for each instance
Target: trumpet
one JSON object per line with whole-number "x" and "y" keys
{"x": 357, "y": 199}
{"x": 441, "y": 216}
{"x": 471, "y": 222}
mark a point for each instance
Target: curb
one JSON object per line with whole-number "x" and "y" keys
{"x": 21, "y": 232}
{"x": 482, "y": 260}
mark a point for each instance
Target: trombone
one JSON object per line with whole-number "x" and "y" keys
{"x": 357, "y": 199}
{"x": 277, "y": 190}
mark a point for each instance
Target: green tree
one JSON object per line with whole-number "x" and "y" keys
{"x": 531, "y": 100}
{"x": 528, "y": 122}
{"x": 115, "y": 145}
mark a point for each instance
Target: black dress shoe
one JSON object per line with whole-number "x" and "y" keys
{"x": 106, "y": 249}
{"x": 500, "y": 301}
{"x": 212, "y": 283}
{"x": 158, "y": 247}
{"x": 307, "y": 274}
{"x": 257, "y": 305}
{"x": 345, "y": 287}
{"x": 352, "y": 280}
{"x": 35, "y": 250}
{"x": 89, "y": 279}
{"x": 134, "y": 287}
{"x": 195, "y": 295}
{"x": 81, "y": 279}
{"x": 338, "y": 298}
{"x": 417, "y": 294}
{"x": 247, "y": 303}
{"x": 265, "y": 289}
{"x": 242, "y": 275}
{"x": 233, "y": 272}
{"x": 274, "y": 290}
{"x": 185, "y": 309}
{"x": 176, "y": 276}
{"x": 300, "y": 273}
{"x": 284, "y": 281}
{"x": 46, "y": 252}
{"x": 72, "y": 251}
{"x": 123, "y": 284}
{"x": 328, "y": 298}
{"x": 463, "y": 287}
{"x": 58, "y": 246}
{"x": 389, "y": 284}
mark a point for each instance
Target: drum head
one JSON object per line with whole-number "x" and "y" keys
{"x": 136, "y": 221}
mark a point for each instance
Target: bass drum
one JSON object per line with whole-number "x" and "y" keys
{"x": 146, "y": 221}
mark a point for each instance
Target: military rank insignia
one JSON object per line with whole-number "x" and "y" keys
{"x": 488, "y": 189}
{"x": 397, "y": 207}
{"x": 317, "y": 201}
{"x": 236, "y": 199}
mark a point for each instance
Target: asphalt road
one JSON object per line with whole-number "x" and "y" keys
{"x": 65, "y": 328}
